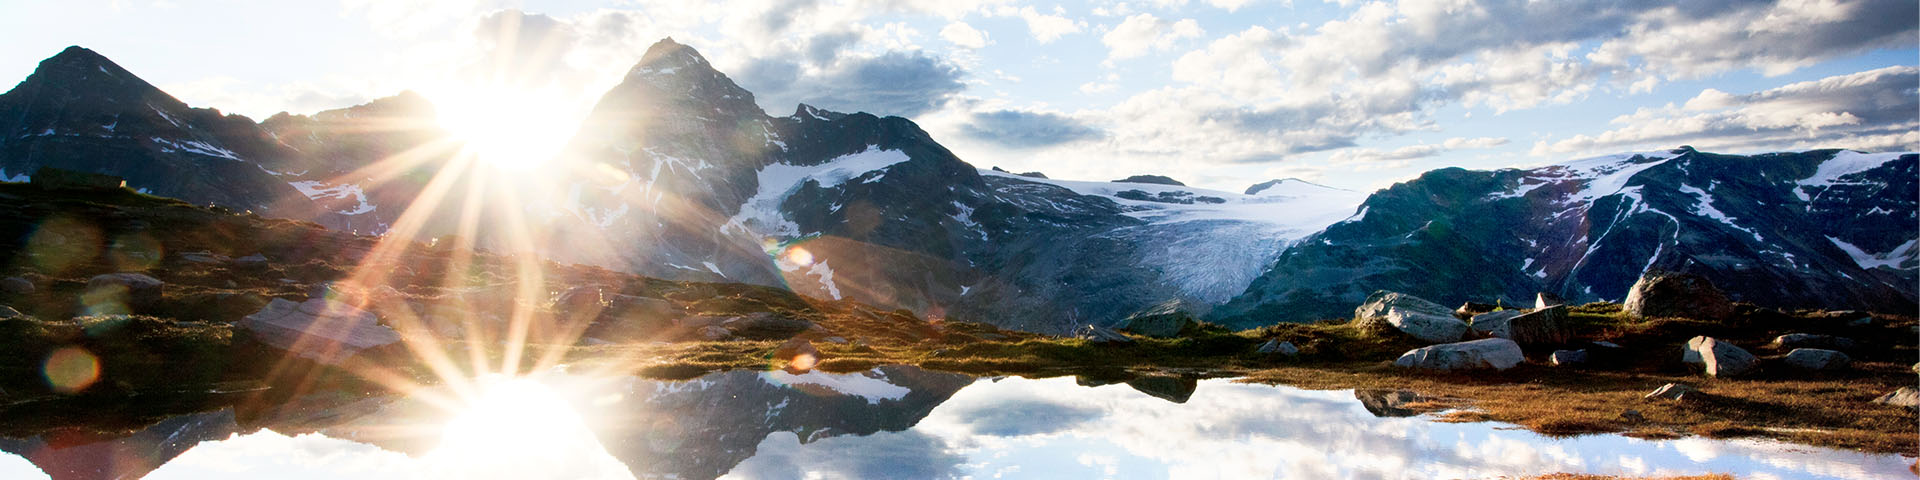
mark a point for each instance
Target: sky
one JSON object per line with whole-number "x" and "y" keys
{"x": 1217, "y": 93}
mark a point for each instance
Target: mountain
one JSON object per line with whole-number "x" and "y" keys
{"x": 705, "y": 185}
{"x": 80, "y": 111}
{"x": 1824, "y": 228}
{"x": 678, "y": 174}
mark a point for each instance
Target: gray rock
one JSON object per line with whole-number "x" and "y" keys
{"x": 1495, "y": 323}
{"x": 581, "y": 298}
{"x": 1632, "y": 416}
{"x": 1817, "y": 359}
{"x": 1720, "y": 359}
{"x": 1607, "y": 344}
{"x": 9, "y": 312}
{"x": 1809, "y": 340}
{"x": 1672, "y": 391}
{"x": 205, "y": 257}
{"x": 133, "y": 292}
{"x": 715, "y": 333}
{"x": 1486, "y": 353}
{"x": 1164, "y": 320}
{"x": 1276, "y": 346}
{"x": 323, "y": 330}
{"x": 16, "y": 286}
{"x": 1904, "y": 397}
{"x": 1387, "y": 403}
{"x": 1422, "y": 319}
{"x": 1099, "y": 334}
{"x": 253, "y": 262}
{"x": 1677, "y": 295}
{"x": 1380, "y": 302}
{"x": 1470, "y": 309}
{"x": 1545, "y": 299}
{"x": 1165, "y": 387}
{"x": 1567, "y": 358}
{"x": 798, "y": 353}
{"x": 1547, "y": 326}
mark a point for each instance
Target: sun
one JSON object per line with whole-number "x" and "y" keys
{"x": 507, "y": 128}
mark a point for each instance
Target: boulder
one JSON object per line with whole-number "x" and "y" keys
{"x": 714, "y": 333}
{"x": 1486, "y": 353}
{"x": 1904, "y": 397}
{"x": 1720, "y": 359}
{"x": 1495, "y": 323}
{"x": 1387, "y": 403}
{"x": 1164, "y": 387}
{"x": 1567, "y": 358}
{"x": 19, "y": 286}
{"x": 1672, "y": 391}
{"x": 1677, "y": 295}
{"x": 1545, "y": 299}
{"x": 205, "y": 257}
{"x": 1165, "y": 320}
{"x": 326, "y": 331}
{"x": 1412, "y": 315}
{"x": 1099, "y": 334}
{"x": 1809, "y": 340}
{"x": 798, "y": 352}
{"x": 1546, "y": 326}
{"x": 132, "y": 292}
{"x": 1276, "y": 346}
{"x": 1470, "y": 309}
{"x": 582, "y": 298}
{"x": 9, "y": 312}
{"x": 1817, "y": 359}
{"x": 251, "y": 262}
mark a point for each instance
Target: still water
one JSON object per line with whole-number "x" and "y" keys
{"x": 891, "y": 422}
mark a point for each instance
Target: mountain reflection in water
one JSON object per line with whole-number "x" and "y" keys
{"x": 891, "y": 422}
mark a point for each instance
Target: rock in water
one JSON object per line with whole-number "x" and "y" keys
{"x": 1486, "y": 353}
{"x": 1904, "y": 397}
{"x": 1495, "y": 323}
{"x": 1547, "y": 326}
{"x": 1165, "y": 320}
{"x": 1387, "y": 403}
{"x": 1567, "y": 358}
{"x": 1677, "y": 295}
{"x": 1809, "y": 340}
{"x": 1099, "y": 334}
{"x": 1422, "y": 319}
{"x": 1276, "y": 346}
{"x": 1169, "y": 388}
{"x": 130, "y": 291}
{"x": 1817, "y": 359}
{"x": 1720, "y": 359}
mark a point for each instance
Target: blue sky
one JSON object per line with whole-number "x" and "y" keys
{"x": 1219, "y": 93}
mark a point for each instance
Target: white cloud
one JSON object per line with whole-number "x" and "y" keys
{"x": 1045, "y": 27}
{"x": 1870, "y": 110}
{"x": 1141, "y": 33}
{"x": 962, "y": 35}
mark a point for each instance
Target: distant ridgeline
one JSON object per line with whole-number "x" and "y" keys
{"x": 679, "y": 174}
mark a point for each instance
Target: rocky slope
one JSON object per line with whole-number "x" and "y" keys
{"x": 1824, "y": 228}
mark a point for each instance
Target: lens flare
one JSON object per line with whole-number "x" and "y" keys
{"x": 71, "y": 369}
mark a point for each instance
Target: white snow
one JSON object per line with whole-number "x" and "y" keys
{"x": 317, "y": 190}
{"x": 1845, "y": 163}
{"x": 194, "y": 146}
{"x": 825, "y": 273}
{"x": 761, "y": 213}
{"x": 1703, "y": 206}
{"x": 714, "y": 268}
{"x": 164, "y": 115}
{"x": 1609, "y": 174}
{"x": 871, "y": 385}
{"x": 21, "y": 178}
{"x": 1892, "y": 259}
{"x": 1211, "y": 252}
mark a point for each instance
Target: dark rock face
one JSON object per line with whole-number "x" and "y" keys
{"x": 1165, "y": 320}
{"x": 1153, "y": 179}
{"x": 1388, "y": 403}
{"x": 79, "y": 111}
{"x": 1546, "y": 326}
{"x": 1818, "y": 229}
{"x": 1677, "y": 295}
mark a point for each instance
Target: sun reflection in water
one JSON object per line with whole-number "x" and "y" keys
{"x": 519, "y": 427}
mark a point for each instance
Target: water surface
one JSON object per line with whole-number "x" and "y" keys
{"x": 891, "y": 422}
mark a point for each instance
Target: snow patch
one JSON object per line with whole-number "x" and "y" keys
{"x": 316, "y": 190}
{"x": 21, "y": 178}
{"x": 194, "y": 146}
{"x": 1844, "y": 163}
{"x": 761, "y": 213}
{"x": 1892, "y": 259}
{"x": 825, "y": 274}
{"x": 1703, "y": 206}
{"x": 871, "y": 385}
